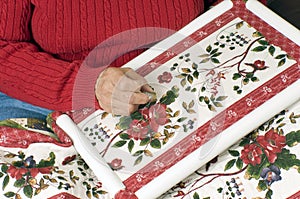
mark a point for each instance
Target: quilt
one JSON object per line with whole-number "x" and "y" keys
{"x": 213, "y": 90}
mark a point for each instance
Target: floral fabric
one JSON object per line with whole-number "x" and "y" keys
{"x": 258, "y": 166}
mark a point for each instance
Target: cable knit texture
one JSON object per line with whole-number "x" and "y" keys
{"x": 43, "y": 42}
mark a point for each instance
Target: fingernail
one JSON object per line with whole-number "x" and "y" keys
{"x": 151, "y": 95}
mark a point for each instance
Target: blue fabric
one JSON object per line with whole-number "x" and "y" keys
{"x": 13, "y": 108}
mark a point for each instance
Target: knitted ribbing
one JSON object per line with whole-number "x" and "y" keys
{"x": 41, "y": 68}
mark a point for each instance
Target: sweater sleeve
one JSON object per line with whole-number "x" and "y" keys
{"x": 36, "y": 77}
{"x": 27, "y": 73}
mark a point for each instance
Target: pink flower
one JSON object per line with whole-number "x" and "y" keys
{"x": 116, "y": 164}
{"x": 16, "y": 172}
{"x": 272, "y": 143}
{"x": 46, "y": 170}
{"x": 251, "y": 154}
{"x": 166, "y": 77}
{"x": 157, "y": 116}
{"x": 138, "y": 129}
{"x": 145, "y": 113}
{"x": 259, "y": 64}
{"x": 68, "y": 159}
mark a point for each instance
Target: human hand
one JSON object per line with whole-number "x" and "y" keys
{"x": 119, "y": 90}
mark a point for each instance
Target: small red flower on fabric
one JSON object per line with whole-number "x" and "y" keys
{"x": 272, "y": 144}
{"x": 138, "y": 129}
{"x": 166, "y": 77}
{"x": 251, "y": 154}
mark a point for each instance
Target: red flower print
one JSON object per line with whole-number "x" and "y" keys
{"x": 145, "y": 113}
{"x": 68, "y": 159}
{"x": 16, "y": 172}
{"x": 157, "y": 116}
{"x": 116, "y": 164}
{"x": 45, "y": 170}
{"x": 272, "y": 144}
{"x": 33, "y": 172}
{"x": 257, "y": 65}
{"x": 138, "y": 129}
{"x": 166, "y": 77}
{"x": 251, "y": 154}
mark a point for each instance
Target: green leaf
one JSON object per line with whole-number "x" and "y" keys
{"x": 196, "y": 74}
{"x": 204, "y": 55}
{"x": 138, "y": 160}
{"x": 139, "y": 152}
{"x": 239, "y": 163}
{"x": 196, "y": 196}
{"x": 220, "y": 190}
{"x": 229, "y": 164}
{"x": 217, "y": 104}
{"x": 221, "y": 98}
{"x": 124, "y": 122}
{"x": 190, "y": 79}
{"x": 236, "y": 76}
{"x": 255, "y": 171}
{"x": 4, "y": 168}
{"x": 254, "y": 79}
{"x": 286, "y": 160}
{"x": 234, "y": 153}
{"x": 208, "y": 48}
{"x": 130, "y": 145}
{"x": 28, "y": 191}
{"x": 249, "y": 75}
{"x": 244, "y": 142}
{"x": 19, "y": 183}
{"x": 186, "y": 70}
{"x": 5, "y": 182}
{"x": 272, "y": 50}
{"x": 262, "y": 186}
{"x": 9, "y": 194}
{"x": 281, "y": 62}
{"x": 155, "y": 144}
{"x": 215, "y": 60}
{"x": 124, "y": 136}
{"x": 214, "y": 51}
{"x": 235, "y": 88}
{"x": 119, "y": 143}
{"x": 183, "y": 82}
{"x": 181, "y": 119}
{"x": 292, "y": 138}
{"x": 269, "y": 194}
{"x": 239, "y": 25}
{"x": 263, "y": 42}
{"x": 136, "y": 116}
{"x": 216, "y": 54}
{"x": 10, "y": 123}
{"x": 259, "y": 48}
{"x": 169, "y": 97}
{"x": 205, "y": 60}
{"x": 280, "y": 56}
{"x": 256, "y": 34}
{"x": 245, "y": 81}
{"x": 145, "y": 141}
{"x": 194, "y": 66}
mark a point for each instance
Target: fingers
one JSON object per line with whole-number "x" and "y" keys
{"x": 147, "y": 88}
{"x": 118, "y": 90}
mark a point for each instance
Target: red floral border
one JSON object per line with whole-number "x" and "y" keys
{"x": 150, "y": 171}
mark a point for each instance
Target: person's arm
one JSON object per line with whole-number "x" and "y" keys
{"x": 39, "y": 78}
{"x": 26, "y": 73}
{"x": 36, "y": 77}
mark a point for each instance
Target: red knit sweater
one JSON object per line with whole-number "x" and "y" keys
{"x": 43, "y": 42}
